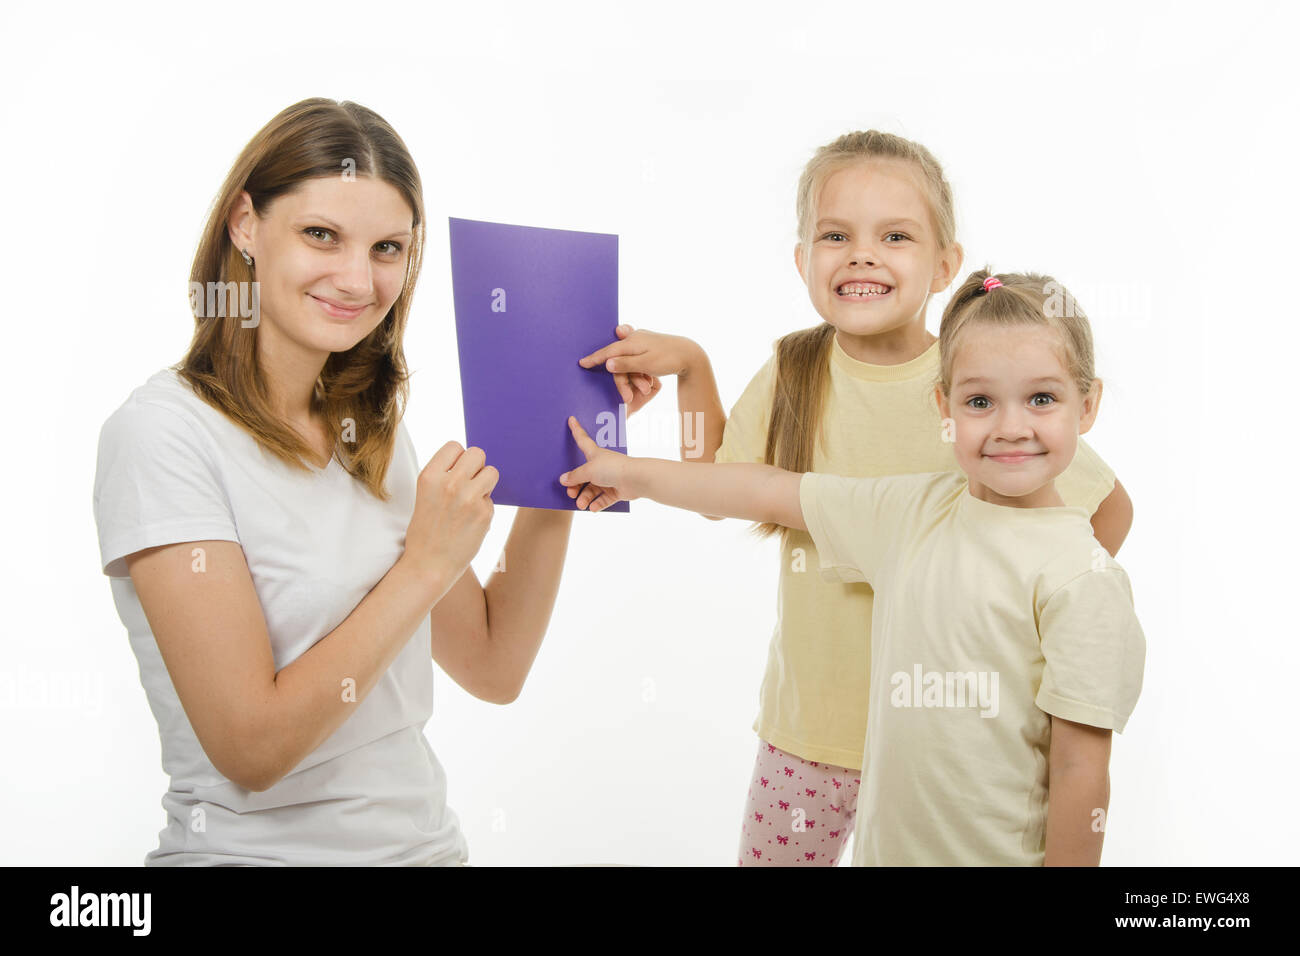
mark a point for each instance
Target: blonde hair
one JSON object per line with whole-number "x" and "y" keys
{"x": 368, "y": 383}
{"x": 803, "y": 357}
{"x": 1023, "y": 299}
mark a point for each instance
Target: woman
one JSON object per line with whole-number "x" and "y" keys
{"x": 283, "y": 574}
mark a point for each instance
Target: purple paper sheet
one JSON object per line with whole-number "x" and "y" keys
{"x": 529, "y": 303}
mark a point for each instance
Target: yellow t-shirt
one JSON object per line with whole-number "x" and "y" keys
{"x": 879, "y": 420}
{"x": 987, "y": 620}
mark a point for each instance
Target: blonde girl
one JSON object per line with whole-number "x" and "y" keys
{"x": 851, "y": 396}
{"x": 1005, "y": 648}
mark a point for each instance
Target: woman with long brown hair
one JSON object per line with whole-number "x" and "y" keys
{"x": 284, "y": 567}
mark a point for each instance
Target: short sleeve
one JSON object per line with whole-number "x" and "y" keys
{"x": 1087, "y": 482}
{"x": 1094, "y": 650}
{"x": 155, "y": 483}
{"x": 744, "y": 439}
{"x": 853, "y": 521}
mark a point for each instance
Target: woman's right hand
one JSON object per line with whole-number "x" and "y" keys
{"x": 453, "y": 510}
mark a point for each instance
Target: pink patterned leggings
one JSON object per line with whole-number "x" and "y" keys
{"x": 798, "y": 813}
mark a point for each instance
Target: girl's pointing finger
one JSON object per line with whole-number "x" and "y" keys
{"x": 580, "y": 436}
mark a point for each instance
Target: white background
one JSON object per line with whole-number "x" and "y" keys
{"x": 1141, "y": 153}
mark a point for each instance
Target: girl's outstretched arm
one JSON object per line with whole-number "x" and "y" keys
{"x": 700, "y": 408}
{"x": 735, "y": 490}
{"x": 652, "y": 354}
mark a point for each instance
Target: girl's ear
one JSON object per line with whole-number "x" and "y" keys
{"x": 940, "y": 401}
{"x": 949, "y": 265}
{"x": 1091, "y": 405}
{"x": 798, "y": 260}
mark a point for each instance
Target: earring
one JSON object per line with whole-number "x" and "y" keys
{"x": 247, "y": 258}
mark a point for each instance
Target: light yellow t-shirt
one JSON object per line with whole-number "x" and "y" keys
{"x": 879, "y": 420}
{"x": 987, "y": 620}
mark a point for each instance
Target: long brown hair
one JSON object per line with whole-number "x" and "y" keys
{"x": 803, "y": 357}
{"x": 367, "y": 384}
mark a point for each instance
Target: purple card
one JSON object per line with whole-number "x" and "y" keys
{"x": 529, "y": 303}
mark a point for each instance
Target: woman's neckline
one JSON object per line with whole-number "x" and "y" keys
{"x": 179, "y": 380}
{"x": 312, "y": 444}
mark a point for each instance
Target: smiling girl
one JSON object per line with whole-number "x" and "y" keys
{"x": 851, "y": 396}
{"x": 286, "y": 571}
{"x": 1004, "y": 644}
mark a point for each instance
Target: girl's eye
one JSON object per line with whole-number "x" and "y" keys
{"x": 831, "y": 235}
{"x": 397, "y": 246}
{"x": 901, "y": 235}
{"x": 310, "y": 229}
{"x": 1047, "y": 395}
{"x": 978, "y": 398}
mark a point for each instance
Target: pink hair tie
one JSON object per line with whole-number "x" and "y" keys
{"x": 992, "y": 282}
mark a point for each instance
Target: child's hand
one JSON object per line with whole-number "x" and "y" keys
{"x": 641, "y": 357}
{"x": 606, "y": 470}
{"x": 636, "y": 390}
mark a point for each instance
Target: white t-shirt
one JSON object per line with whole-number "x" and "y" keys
{"x": 171, "y": 468}
{"x": 988, "y": 621}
